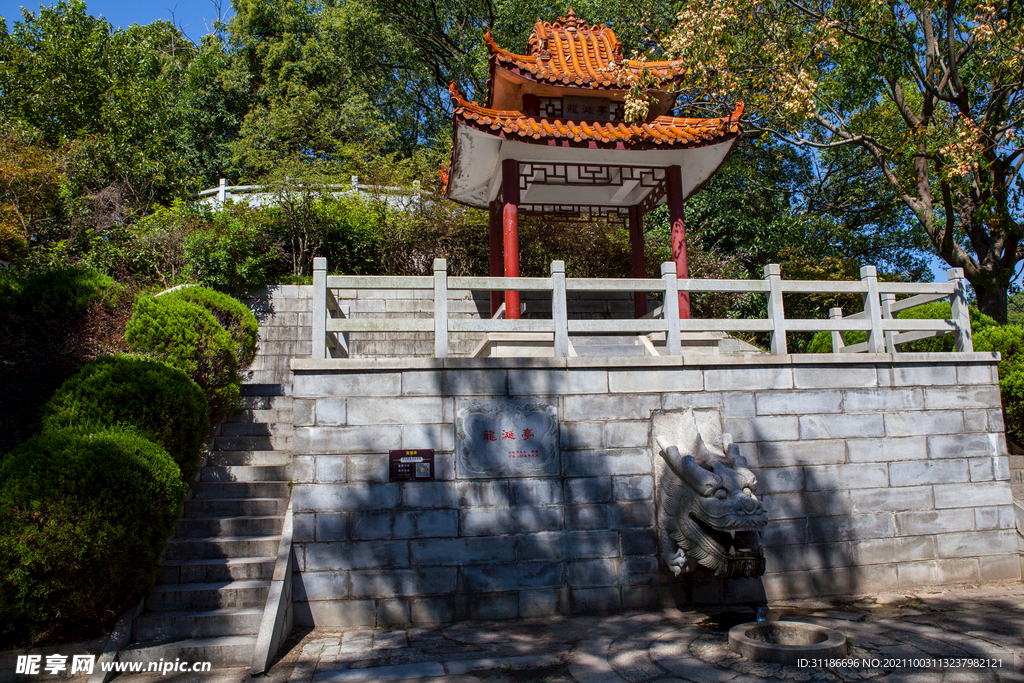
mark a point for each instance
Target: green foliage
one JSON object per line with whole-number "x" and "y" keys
{"x": 55, "y": 295}
{"x": 1008, "y": 340}
{"x": 188, "y": 337}
{"x": 83, "y": 520}
{"x": 940, "y": 310}
{"x": 51, "y": 321}
{"x": 854, "y": 83}
{"x": 232, "y": 315}
{"x": 231, "y": 256}
{"x": 160, "y": 402}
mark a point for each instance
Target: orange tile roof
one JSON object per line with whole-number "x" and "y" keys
{"x": 569, "y": 52}
{"x": 666, "y": 131}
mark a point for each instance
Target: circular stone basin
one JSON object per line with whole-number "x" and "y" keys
{"x": 785, "y": 642}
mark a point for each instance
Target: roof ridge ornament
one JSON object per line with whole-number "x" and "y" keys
{"x": 569, "y": 21}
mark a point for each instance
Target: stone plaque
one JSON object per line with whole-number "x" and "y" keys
{"x": 504, "y": 438}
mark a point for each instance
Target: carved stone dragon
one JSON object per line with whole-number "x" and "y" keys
{"x": 708, "y": 513}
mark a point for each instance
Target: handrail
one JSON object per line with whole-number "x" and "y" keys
{"x": 332, "y": 324}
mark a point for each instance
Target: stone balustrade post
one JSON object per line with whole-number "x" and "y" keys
{"x": 559, "y": 309}
{"x": 873, "y": 309}
{"x": 319, "y": 307}
{"x": 837, "y": 335}
{"x": 888, "y": 300}
{"x": 670, "y": 310}
{"x": 776, "y": 311}
{"x": 959, "y": 311}
{"x": 440, "y": 308}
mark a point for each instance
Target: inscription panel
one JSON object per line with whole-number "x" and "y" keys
{"x": 504, "y": 438}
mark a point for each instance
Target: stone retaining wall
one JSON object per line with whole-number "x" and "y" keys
{"x": 879, "y": 473}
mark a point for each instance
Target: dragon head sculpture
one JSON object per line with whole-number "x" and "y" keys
{"x": 708, "y": 513}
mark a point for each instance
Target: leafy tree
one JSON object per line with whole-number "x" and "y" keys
{"x": 929, "y": 94}
{"x": 30, "y": 193}
{"x": 132, "y": 116}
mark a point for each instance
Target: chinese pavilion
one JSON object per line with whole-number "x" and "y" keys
{"x": 551, "y": 139}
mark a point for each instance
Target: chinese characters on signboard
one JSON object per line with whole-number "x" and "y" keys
{"x": 510, "y": 438}
{"x": 591, "y": 109}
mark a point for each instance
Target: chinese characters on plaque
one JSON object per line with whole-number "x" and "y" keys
{"x": 503, "y": 437}
{"x": 591, "y": 109}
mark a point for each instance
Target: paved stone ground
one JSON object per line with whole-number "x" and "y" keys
{"x": 667, "y": 647}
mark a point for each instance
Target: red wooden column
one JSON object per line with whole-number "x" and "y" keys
{"x": 510, "y": 231}
{"x": 495, "y": 257}
{"x": 677, "y": 219}
{"x": 636, "y": 240}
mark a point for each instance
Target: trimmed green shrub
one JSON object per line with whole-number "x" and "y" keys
{"x": 51, "y": 322}
{"x": 56, "y": 295}
{"x": 1008, "y": 340}
{"x": 236, "y": 253}
{"x": 157, "y": 400}
{"x": 232, "y": 315}
{"x": 187, "y": 336}
{"x": 940, "y": 310}
{"x": 83, "y": 520}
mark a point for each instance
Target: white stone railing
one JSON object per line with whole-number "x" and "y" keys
{"x": 331, "y": 324}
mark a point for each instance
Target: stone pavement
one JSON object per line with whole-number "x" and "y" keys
{"x": 673, "y": 646}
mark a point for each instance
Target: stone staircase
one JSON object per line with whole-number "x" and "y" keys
{"x": 213, "y": 582}
{"x": 214, "y": 579}
{"x": 607, "y": 345}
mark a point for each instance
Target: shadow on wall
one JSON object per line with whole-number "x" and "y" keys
{"x": 468, "y": 546}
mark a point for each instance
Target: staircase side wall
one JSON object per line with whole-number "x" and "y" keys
{"x": 878, "y": 475}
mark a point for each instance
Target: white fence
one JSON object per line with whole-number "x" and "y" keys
{"x": 331, "y": 324}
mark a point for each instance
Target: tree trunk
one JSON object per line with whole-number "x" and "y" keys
{"x": 992, "y": 300}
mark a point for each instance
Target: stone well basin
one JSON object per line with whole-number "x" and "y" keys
{"x": 786, "y": 642}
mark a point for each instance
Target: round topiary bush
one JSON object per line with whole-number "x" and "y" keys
{"x": 83, "y": 520}
{"x": 188, "y": 337}
{"x": 157, "y": 400}
{"x": 232, "y": 315}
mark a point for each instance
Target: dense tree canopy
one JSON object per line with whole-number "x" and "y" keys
{"x": 101, "y": 128}
{"x": 929, "y": 95}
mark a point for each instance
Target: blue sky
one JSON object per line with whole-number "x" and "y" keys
{"x": 193, "y": 16}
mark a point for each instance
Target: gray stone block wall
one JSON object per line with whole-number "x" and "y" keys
{"x": 285, "y": 316}
{"x": 878, "y": 476}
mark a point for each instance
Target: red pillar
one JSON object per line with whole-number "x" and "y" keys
{"x": 495, "y": 257}
{"x": 636, "y": 240}
{"x": 510, "y": 231}
{"x": 677, "y": 220}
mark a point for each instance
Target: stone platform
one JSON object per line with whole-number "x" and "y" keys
{"x": 669, "y": 647}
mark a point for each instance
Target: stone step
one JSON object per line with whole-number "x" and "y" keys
{"x": 223, "y": 651}
{"x": 265, "y": 403}
{"x": 262, "y": 389}
{"x": 222, "y": 547}
{"x": 241, "y": 489}
{"x": 235, "y": 507}
{"x": 229, "y": 621}
{"x": 249, "y": 458}
{"x": 253, "y": 443}
{"x": 230, "y": 473}
{"x": 176, "y": 597}
{"x": 609, "y": 350}
{"x": 256, "y": 429}
{"x": 272, "y": 416}
{"x": 215, "y": 569}
{"x": 207, "y": 527}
